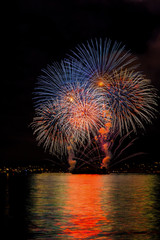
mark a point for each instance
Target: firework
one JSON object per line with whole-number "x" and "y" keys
{"x": 56, "y": 80}
{"x": 47, "y": 128}
{"x": 132, "y": 99}
{"x": 109, "y": 68}
{"x": 97, "y": 58}
{"x": 90, "y": 97}
{"x": 70, "y": 117}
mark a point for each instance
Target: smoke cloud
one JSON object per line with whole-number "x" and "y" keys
{"x": 71, "y": 162}
{"x": 107, "y": 157}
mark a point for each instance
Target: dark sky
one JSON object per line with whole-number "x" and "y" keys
{"x": 43, "y": 31}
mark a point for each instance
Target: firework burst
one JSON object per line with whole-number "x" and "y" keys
{"x": 90, "y": 97}
{"x": 48, "y": 129}
{"x": 97, "y": 58}
{"x": 131, "y": 97}
{"x": 72, "y": 116}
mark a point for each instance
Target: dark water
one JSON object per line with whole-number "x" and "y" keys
{"x": 66, "y": 206}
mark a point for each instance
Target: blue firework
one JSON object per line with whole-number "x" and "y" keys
{"x": 98, "y": 57}
{"x": 55, "y": 81}
{"x": 132, "y": 99}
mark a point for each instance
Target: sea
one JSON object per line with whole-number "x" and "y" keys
{"x": 80, "y": 206}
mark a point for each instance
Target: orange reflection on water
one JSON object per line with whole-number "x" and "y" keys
{"x": 83, "y": 206}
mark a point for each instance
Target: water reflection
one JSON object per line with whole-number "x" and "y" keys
{"x": 132, "y": 200}
{"x": 83, "y": 204}
{"x": 66, "y": 206}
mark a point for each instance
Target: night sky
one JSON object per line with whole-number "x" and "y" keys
{"x": 44, "y": 31}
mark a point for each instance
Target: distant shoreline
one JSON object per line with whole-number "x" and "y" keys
{"x": 37, "y": 170}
